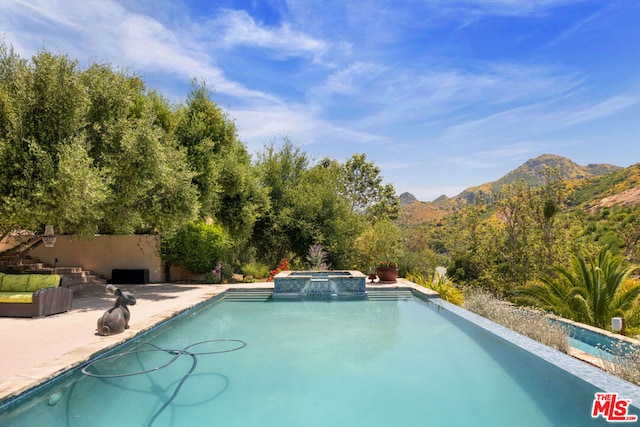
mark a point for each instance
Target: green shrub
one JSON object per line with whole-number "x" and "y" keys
{"x": 442, "y": 285}
{"x": 197, "y": 247}
{"x": 256, "y": 270}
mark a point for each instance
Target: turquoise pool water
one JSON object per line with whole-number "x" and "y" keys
{"x": 403, "y": 362}
{"x": 597, "y": 344}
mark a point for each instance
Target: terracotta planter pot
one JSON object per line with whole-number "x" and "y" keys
{"x": 387, "y": 274}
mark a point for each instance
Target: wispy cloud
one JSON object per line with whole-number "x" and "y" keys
{"x": 482, "y": 8}
{"x": 516, "y": 124}
{"x": 238, "y": 28}
{"x": 110, "y": 32}
{"x": 301, "y": 123}
{"x": 388, "y": 96}
{"x": 352, "y": 78}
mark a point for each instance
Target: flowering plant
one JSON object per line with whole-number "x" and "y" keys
{"x": 215, "y": 276}
{"x": 317, "y": 258}
{"x": 284, "y": 266}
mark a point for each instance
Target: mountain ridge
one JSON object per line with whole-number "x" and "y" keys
{"x": 587, "y": 182}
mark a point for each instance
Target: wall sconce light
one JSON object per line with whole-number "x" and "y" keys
{"x": 49, "y": 237}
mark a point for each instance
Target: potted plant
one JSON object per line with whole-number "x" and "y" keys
{"x": 387, "y": 271}
{"x": 380, "y": 247}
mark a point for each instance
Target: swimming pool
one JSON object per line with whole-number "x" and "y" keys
{"x": 387, "y": 362}
{"x": 595, "y": 343}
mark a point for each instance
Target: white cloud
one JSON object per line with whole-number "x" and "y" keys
{"x": 300, "y": 122}
{"x": 587, "y": 113}
{"x": 240, "y": 29}
{"x": 111, "y": 32}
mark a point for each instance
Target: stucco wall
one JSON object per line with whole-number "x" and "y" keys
{"x": 104, "y": 253}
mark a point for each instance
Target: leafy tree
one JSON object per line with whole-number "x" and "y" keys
{"x": 527, "y": 234}
{"x": 361, "y": 185}
{"x": 280, "y": 170}
{"x": 228, "y": 186}
{"x": 242, "y": 199}
{"x": 41, "y": 108}
{"x": 116, "y": 101}
{"x": 590, "y": 291}
{"x": 305, "y": 208}
{"x": 630, "y": 233}
{"x": 86, "y": 150}
{"x": 545, "y": 206}
{"x": 79, "y": 189}
{"x": 379, "y": 243}
{"x": 324, "y": 217}
{"x": 150, "y": 182}
{"x": 513, "y": 210}
{"x": 207, "y": 134}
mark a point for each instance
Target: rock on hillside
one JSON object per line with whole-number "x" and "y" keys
{"x": 407, "y": 198}
{"x": 629, "y": 197}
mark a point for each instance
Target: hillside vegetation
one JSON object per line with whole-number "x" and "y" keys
{"x": 521, "y": 231}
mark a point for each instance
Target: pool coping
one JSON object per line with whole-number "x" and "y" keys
{"x": 34, "y": 378}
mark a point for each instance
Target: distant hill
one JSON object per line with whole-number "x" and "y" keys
{"x": 532, "y": 172}
{"x": 617, "y": 188}
{"x": 588, "y": 183}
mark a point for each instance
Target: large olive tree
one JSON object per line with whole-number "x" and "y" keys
{"x": 86, "y": 150}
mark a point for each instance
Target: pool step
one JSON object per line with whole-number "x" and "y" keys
{"x": 247, "y": 295}
{"x": 266, "y": 294}
{"x": 392, "y": 294}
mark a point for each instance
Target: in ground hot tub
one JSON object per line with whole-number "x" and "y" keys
{"x": 320, "y": 283}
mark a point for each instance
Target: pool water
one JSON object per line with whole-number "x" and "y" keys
{"x": 597, "y": 344}
{"x": 404, "y": 362}
{"x": 594, "y": 350}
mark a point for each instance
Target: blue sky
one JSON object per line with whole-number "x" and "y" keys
{"x": 440, "y": 94}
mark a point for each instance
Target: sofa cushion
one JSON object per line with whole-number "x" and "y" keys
{"x": 17, "y": 297}
{"x": 41, "y": 281}
{"x": 15, "y": 283}
{"x": 1, "y": 276}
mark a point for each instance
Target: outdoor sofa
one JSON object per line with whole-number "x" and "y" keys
{"x": 33, "y": 295}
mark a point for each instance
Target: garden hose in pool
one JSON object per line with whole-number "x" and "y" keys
{"x": 86, "y": 370}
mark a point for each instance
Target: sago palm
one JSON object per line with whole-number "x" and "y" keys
{"x": 590, "y": 291}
